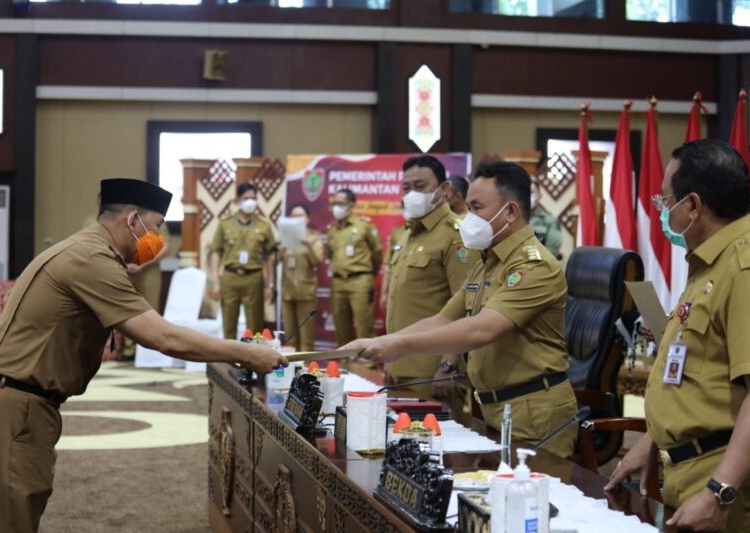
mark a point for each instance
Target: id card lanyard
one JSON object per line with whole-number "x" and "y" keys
{"x": 677, "y": 350}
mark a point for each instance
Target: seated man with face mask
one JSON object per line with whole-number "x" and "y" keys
{"x": 508, "y": 315}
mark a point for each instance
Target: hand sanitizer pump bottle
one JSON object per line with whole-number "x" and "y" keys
{"x": 522, "y": 499}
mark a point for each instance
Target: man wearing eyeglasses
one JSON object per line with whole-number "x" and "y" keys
{"x": 697, "y": 403}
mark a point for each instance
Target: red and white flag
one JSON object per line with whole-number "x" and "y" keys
{"x": 693, "y": 132}
{"x": 588, "y": 234}
{"x": 653, "y": 246}
{"x": 738, "y": 136}
{"x": 619, "y": 221}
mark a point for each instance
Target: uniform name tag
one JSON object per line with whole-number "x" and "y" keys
{"x": 244, "y": 257}
{"x": 675, "y": 363}
{"x": 349, "y": 250}
{"x": 472, "y": 287}
{"x": 291, "y": 262}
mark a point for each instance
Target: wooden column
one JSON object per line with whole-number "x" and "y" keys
{"x": 528, "y": 159}
{"x": 192, "y": 171}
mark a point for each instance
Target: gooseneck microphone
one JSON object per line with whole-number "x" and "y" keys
{"x": 454, "y": 377}
{"x": 582, "y": 414}
{"x": 299, "y": 326}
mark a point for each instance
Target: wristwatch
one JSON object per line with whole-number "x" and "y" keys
{"x": 447, "y": 368}
{"x": 725, "y": 493}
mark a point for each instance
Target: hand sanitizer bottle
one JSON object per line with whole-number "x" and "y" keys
{"x": 522, "y": 499}
{"x": 276, "y": 341}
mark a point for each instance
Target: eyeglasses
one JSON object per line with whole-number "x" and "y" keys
{"x": 658, "y": 200}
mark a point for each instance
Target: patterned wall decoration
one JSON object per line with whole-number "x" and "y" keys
{"x": 557, "y": 178}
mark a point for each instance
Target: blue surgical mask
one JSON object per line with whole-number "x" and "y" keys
{"x": 678, "y": 239}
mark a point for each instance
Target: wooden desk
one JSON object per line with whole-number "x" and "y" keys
{"x": 263, "y": 476}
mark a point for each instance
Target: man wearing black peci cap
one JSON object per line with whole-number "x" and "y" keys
{"x": 55, "y": 325}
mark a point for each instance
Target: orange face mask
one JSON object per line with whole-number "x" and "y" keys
{"x": 147, "y": 246}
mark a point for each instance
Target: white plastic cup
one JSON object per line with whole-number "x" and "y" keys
{"x": 366, "y": 423}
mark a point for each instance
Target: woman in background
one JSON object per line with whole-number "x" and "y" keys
{"x": 300, "y": 283}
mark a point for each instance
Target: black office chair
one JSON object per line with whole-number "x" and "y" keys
{"x": 597, "y": 298}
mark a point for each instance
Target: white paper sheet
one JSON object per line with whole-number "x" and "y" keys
{"x": 291, "y": 232}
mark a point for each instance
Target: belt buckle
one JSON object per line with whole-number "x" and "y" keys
{"x": 240, "y": 271}
{"x": 476, "y": 397}
{"x": 665, "y": 458}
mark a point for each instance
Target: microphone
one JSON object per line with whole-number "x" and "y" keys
{"x": 582, "y": 414}
{"x": 299, "y": 326}
{"x": 454, "y": 377}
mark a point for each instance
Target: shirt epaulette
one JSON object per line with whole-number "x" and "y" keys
{"x": 743, "y": 252}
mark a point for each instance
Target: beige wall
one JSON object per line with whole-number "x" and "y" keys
{"x": 78, "y": 143}
{"x": 495, "y": 130}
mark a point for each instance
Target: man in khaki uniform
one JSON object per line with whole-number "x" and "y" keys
{"x": 429, "y": 264}
{"x": 243, "y": 245}
{"x": 355, "y": 252}
{"x": 546, "y": 227}
{"x": 53, "y": 330}
{"x": 299, "y": 288}
{"x": 393, "y": 246}
{"x": 508, "y": 315}
{"x": 699, "y": 416}
{"x": 456, "y": 195}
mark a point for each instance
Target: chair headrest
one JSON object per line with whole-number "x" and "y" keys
{"x": 598, "y": 272}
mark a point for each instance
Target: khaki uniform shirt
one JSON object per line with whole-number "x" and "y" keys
{"x": 429, "y": 264}
{"x": 300, "y": 276}
{"x": 234, "y": 239}
{"x": 352, "y": 244}
{"x": 522, "y": 280}
{"x": 547, "y": 229}
{"x": 393, "y": 243}
{"x": 52, "y": 333}
{"x": 717, "y": 337}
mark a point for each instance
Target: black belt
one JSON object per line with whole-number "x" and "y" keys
{"x": 242, "y": 271}
{"x": 503, "y": 395}
{"x": 11, "y": 383}
{"x": 352, "y": 275}
{"x": 695, "y": 447}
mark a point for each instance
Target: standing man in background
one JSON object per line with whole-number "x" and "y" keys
{"x": 243, "y": 244}
{"x": 456, "y": 195}
{"x": 429, "y": 264}
{"x": 355, "y": 252}
{"x": 546, "y": 227}
{"x": 299, "y": 287}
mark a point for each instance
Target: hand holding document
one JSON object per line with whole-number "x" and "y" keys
{"x": 317, "y": 356}
{"x": 654, "y": 315}
{"x": 292, "y": 232}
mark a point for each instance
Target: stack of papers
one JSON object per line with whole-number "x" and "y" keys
{"x": 458, "y": 438}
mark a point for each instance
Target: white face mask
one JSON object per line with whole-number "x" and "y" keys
{"x": 340, "y": 212}
{"x": 248, "y": 206}
{"x": 418, "y": 204}
{"x": 476, "y": 232}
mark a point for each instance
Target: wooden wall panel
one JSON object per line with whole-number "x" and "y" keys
{"x": 599, "y": 74}
{"x": 154, "y": 62}
{"x": 8, "y": 62}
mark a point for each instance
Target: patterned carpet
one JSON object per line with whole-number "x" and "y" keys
{"x": 133, "y": 455}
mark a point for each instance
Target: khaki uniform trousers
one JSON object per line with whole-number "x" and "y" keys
{"x": 29, "y": 429}
{"x": 245, "y": 289}
{"x": 353, "y": 299}
{"x": 148, "y": 283}
{"x": 538, "y": 414}
{"x": 685, "y": 479}
{"x": 294, "y": 313}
